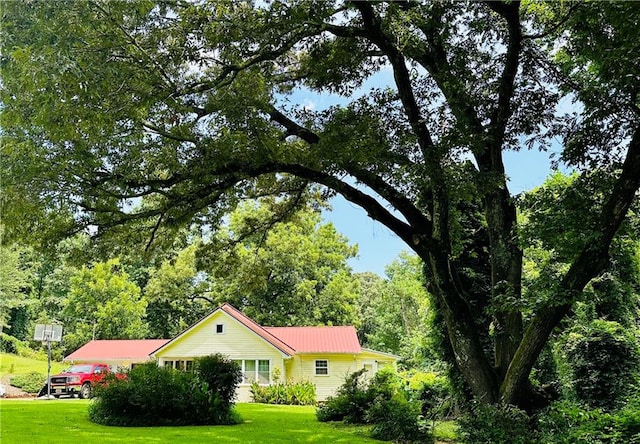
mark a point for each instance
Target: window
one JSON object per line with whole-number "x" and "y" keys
{"x": 263, "y": 372}
{"x": 168, "y": 364}
{"x": 255, "y": 370}
{"x": 249, "y": 372}
{"x": 189, "y": 366}
{"x": 219, "y": 329}
{"x": 322, "y": 367}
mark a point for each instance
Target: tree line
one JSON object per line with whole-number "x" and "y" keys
{"x": 294, "y": 274}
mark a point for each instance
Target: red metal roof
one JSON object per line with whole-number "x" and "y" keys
{"x": 105, "y": 350}
{"x": 289, "y": 340}
{"x": 341, "y": 339}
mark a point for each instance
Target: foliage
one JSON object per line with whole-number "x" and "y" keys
{"x": 568, "y": 202}
{"x": 106, "y": 104}
{"x": 434, "y": 392}
{"x": 175, "y": 294}
{"x": 282, "y": 269}
{"x": 8, "y": 344}
{"x": 381, "y": 401}
{"x": 152, "y": 396}
{"x": 396, "y": 313}
{"x": 445, "y": 431}
{"x": 496, "y": 424}
{"x": 604, "y": 361}
{"x": 103, "y": 304}
{"x": 350, "y": 403}
{"x": 13, "y": 281}
{"x": 12, "y": 345}
{"x": 397, "y": 420}
{"x": 221, "y": 377}
{"x": 570, "y": 423}
{"x": 289, "y": 393}
{"x": 30, "y": 382}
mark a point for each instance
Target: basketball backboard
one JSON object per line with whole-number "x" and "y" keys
{"x": 48, "y": 333}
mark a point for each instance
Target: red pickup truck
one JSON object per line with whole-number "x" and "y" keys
{"x": 78, "y": 380}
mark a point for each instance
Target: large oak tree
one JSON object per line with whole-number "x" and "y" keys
{"x": 185, "y": 105}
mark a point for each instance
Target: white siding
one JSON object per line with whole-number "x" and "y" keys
{"x": 236, "y": 342}
{"x": 340, "y": 366}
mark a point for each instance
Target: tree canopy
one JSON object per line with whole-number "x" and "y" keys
{"x": 296, "y": 273}
{"x": 185, "y": 105}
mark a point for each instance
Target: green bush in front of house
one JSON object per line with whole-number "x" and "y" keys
{"x": 382, "y": 402}
{"x": 350, "y": 403}
{"x": 221, "y": 377}
{"x": 290, "y": 393}
{"x": 157, "y": 396}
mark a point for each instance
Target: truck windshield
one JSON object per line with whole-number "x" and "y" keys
{"x": 79, "y": 369}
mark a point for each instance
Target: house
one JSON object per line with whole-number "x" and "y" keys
{"x": 322, "y": 355}
{"x": 116, "y": 353}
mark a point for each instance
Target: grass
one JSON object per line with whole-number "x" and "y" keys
{"x": 445, "y": 431}
{"x": 57, "y": 421}
{"x": 19, "y": 365}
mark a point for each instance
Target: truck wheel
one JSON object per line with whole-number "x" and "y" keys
{"x": 85, "y": 391}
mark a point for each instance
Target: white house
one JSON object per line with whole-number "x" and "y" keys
{"x": 322, "y": 355}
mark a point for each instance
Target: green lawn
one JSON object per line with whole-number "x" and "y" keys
{"x": 58, "y": 421}
{"x": 18, "y": 365}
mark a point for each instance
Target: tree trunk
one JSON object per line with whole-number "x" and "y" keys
{"x": 462, "y": 331}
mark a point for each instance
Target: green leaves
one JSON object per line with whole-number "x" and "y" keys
{"x": 293, "y": 274}
{"x": 103, "y": 304}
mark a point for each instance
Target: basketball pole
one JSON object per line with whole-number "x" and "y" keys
{"x": 49, "y": 369}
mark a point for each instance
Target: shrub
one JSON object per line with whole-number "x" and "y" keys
{"x": 382, "y": 402}
{"x": 568, "y": 422}
{"x": 221, "y": 376}
{"x": 397, "y": 419}
{"x": 8, "y": 344}
{"x": 496, "y": 424}
{"x": 350, "y": 402}
{"x": 31, "y": 382}
{"x": 434, "y": 393}
{"x": 292, "y": 393}
{"x": 604, "y": 359}
{"x": 151, "y": 396}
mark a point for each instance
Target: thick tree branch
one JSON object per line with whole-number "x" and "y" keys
{"x": 374, "y": 209}
{"x": 502, "y": 112}
{"x": 403, "y": 82}
{"x": 293, "y": 129}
